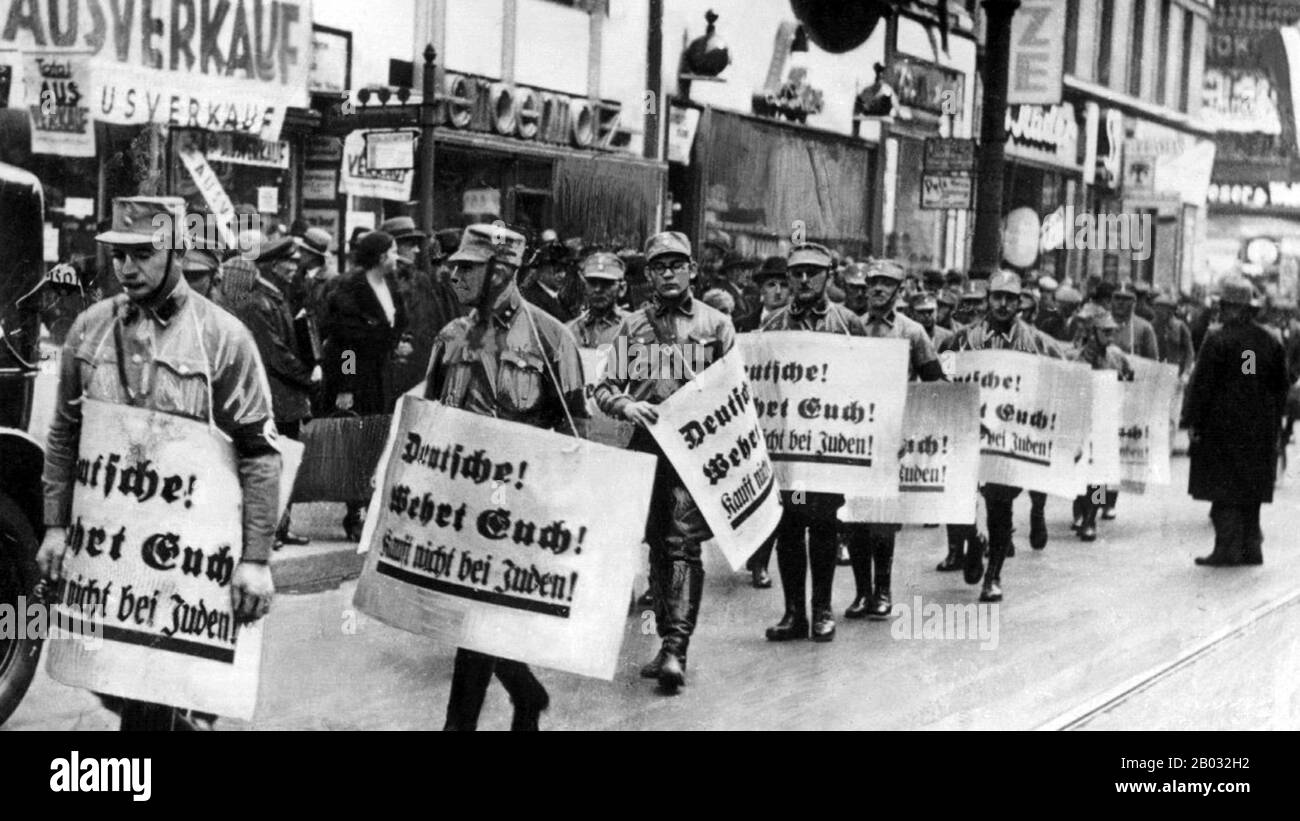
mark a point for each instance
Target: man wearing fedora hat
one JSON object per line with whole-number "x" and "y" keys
{"x": 430, "y": 303}
{"x": 1236, "y": 399}
{"x": 549, "y": 268}
{"x": 160, "y": 346}
{"x": 773, "y": 293}
{"x": 538, "y": 382}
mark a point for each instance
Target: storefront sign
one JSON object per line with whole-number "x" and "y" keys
{"x": 55, "y": 92}
{"x": 682, "y": 125}
{"x": 213, "y": 193}
{"x": 331, "y": 60}
{"x": 945, "y": 154}
{"x": 1241, "y": 100}
{"x": 512, "y": 110}
{"x": 1045, "y": 134}
{"x": 390, "y": 150}
{"x": 219, "y": 66}
{"x": 947, "y": 191}
{"x": 1179, "y": 163}
{"x": 324, "y": 149}
{"x": 1037, "y": 54}
{"x": 481, "y": 201}
{"x": 1243, "y": 195}
{"x": 484, "y": 535}
{"x": 925, "y": 86}
{"x": 250, "y": 151}
{"x": 320, "y": 184}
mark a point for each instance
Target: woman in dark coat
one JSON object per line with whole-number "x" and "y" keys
{"x": 364, "y": 327}
{"x": 1235, "y": 401}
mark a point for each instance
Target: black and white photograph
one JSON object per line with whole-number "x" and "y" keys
{"x": 650, "y": 365}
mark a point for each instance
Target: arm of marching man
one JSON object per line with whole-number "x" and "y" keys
{"x": 612, "y": 394}
{"x": 64, "y": 440}
{"x": 242, "y": 409}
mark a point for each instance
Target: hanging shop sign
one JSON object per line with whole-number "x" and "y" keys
{"x": 360, "y": 180}
{"x": 214, "y": 194}
{"x": 232, "y": 67}
{"x": 946, "y": 154}
{"x": 926, "y": 87}
{"x": 390, "y": 150}
{"x": 1046, "y": 134}
{"x": 481, "y": 201}
{"x": 682, "y": 125}
{"x": 954, "y": 190}
{"x": 1037, "y": 58}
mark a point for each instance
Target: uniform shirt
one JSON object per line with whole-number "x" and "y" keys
{"x": 1136, "y": 336}
{"x": 823, "y": 316}
{"x": 593, "y": 331}
{"x": 689, "y": 322}
{"x": 1174, "y": 343}
{"x": 896, "y": 326}
{"x": 940, "y": 335}
{"x": 508, "y": 367}
{"x": 1020, "y": 337}
{"x": 166, "y": 355}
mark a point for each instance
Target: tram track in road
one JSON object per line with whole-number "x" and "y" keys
{"x": 1083, "y": 715}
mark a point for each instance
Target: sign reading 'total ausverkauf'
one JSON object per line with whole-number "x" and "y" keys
{"x": 234, "y": 67}
{"x": 485, "y": 534}
{"x": 709, "y": 430}
{"x": 831, "y": 406}
{"x": 1035, "y": 415}
{"x": 57, "y": 94}
{"x": 154, "y": 542}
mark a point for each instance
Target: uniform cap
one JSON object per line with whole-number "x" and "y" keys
{"x": 197, "y": 260}
{"x": 924, "y": 302}
{"x": 667, "y": 242}
{"x": 949, "y": 297}
{"x": 1004, "y": 282}
{"x": 483, "y": 242}
{"x": 1165, "y": 299}
{"x": 856, "y": 274}
{"x": 156, "y": 221}
{"x": 975, "y": 289}
{"x": 280, "y": 249}
{"x": 603, "y": 265}
{"x": 1125, "y": 291}
{"x": 1068, "y": 296}
{"x": 885, "y": 268}
{"x": 1237, "y": 290}
{"x": 1046, "y": 283}
{"x": 810, "y": 253}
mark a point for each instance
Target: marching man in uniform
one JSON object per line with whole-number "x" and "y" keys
{"x": 809, "y": 515}
{"x": 162, "y": 347}
{"x": 603, "y": 275}
{"x": 676, "y": 529}
{"x": 871, "y": 545}
{"x": 1001, "y": 329}
{"x": 511, "y": 360}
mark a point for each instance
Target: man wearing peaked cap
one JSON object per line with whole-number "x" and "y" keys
{"x": 603, "y": 273}
{"x": 676, "y": 529}
{"x": 947, "y": 299}
{"x": 1173, "y": 337}
{"x": 1236, "y": 398}
{"x": 161, "y": 347}
{"x": 871, "y": 545}
{"x": 924, "y": 309}
{"x": 1001, "y": 329}
{"x": 807, "y": 541}
{"x": 972, "y": 303}
{"x": 201, "y": 266}
{"x": 513, "y": 361}
{"x": 1136, "y": 337}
